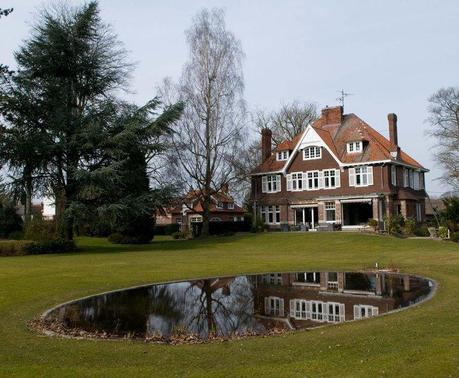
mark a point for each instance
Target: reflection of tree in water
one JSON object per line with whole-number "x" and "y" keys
{"x": 220, "y": 307}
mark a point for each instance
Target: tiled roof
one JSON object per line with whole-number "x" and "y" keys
{"x": 336, "y": 137}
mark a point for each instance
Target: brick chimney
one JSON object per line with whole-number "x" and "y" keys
{"x": 332, "y": 115}
{"x": 393, "y": 137}
{"x": 266, "y": 141}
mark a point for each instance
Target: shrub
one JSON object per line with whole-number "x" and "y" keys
{"x": 39, "y": 229}
{"x": 394, "y": 224}
{"x": 422, "y": 231}
{"x": 258, "y": 225}
{"x": 16, "y": 235}
{"x": 180, "y": 235}
{"x": 410, "y": 226}
{"x": 166, "y": 229}
{"x": 10, "y": 221}
{"x": 49, "y": 246}
{"x": 455, "y": 237}
{"x": 443, "y": 232}
{"x": 373, "y": 223}
{"x": 118, "y": 238}
{"x": 11, "y": 248}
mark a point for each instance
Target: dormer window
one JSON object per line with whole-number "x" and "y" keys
{"x": 282, "y": 155}
{"x": 219, "y": 205}
{"x": 230, "y": 205}
{"x": 354, "y": 147}
{"x": 312, "y": 152}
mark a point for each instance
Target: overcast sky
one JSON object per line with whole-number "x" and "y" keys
{"x": 391, "y": 55}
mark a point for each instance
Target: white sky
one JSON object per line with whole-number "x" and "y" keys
{"x": 392, "y": 55}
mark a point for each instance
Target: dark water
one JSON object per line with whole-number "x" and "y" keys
{"x": 254, "y": 304}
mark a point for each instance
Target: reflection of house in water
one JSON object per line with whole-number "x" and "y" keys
{"x": 307, "y": 298}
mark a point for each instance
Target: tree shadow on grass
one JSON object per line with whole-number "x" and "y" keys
{"x": 88, "y": 245}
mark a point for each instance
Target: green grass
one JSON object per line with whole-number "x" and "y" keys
{"x": 422, "y": 341}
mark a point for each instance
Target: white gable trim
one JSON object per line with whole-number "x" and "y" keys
{"x": 310, "y": 137}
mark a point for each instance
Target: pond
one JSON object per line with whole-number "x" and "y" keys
{"x": 240, "y": 306}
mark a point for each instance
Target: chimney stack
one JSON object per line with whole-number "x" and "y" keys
{"x": 393, "y": 137}
{"x": 266, "y": 135}
{"x": 331, "y": 116}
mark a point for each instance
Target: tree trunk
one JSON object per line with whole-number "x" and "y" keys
{"x": 28, "y": 188}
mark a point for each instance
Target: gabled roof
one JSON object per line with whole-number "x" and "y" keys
{"x": 193, "y": 199}
{"x": 377, "y": 148}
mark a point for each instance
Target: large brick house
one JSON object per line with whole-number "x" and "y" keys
{"x": 339, "y": 171}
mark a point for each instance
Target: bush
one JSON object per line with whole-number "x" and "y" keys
{"x": 9, "y": 220}
{"x": 373, "y": 223}
{"x": 443, "y": 232}
{"x": 16, "y": 235}
{"x": 258, "y": 225}
{"x": 410, "y": 226}
{"x": 166, "y": 229}
{"x": 394, "y": 224}
{"x": 118, "y": 238}
{"x": 180, "y": 235}
{"x": 49, "y": 246}
{"x": 455, "y": 237}
{"x": 422, "y": 231}
{"x": 39, "y": 229}
{"x": 11, "y": 248}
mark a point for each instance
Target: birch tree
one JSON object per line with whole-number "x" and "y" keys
{"x": 210, "y": 133}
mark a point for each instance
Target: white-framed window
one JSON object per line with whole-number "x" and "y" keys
{"x": 330, "y": 212}
{"x": 393, "y": 175}
{"x": 331, "y": 178}
{"x": 418, "y": 211}
{"x": 313, "y": 180}
{"x": 219, "y": 205}
{"x": 235, "y": 219}
{"x": 332, "y": 280}
{"x": 312, "y": 152}
{"x": 411, "y": 177}
{"x": 178, "y": 220}
{"x": 196, "y": 219}
{"x": 365, "y": 311}
{"x": 361, "y": 176}
{"x": 272, "y": 279}
{"x": 282, "y": 155}
{"x": 215, "y": 219}
{"x": 335, "y": 312}
{"x": 421, "y": 181}
{"x": 271, "y": 184}
{"x": 353, "y": 147}
{"x": 330, "y": 312}
{"x": 274, "y": 306}
{"x": 318, "y": 311}
{"x": 416, "y": 181}
{"x": 270, "y": 214}
{"x": 300, "y": 309}
{"x": 312, "y": 278}
{"x": 295, "y": 181}
{"x": 230, "y": 205}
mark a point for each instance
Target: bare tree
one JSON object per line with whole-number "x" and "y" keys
{"x": 211, "y": 131}
{"x": 288, "y": 121}
{"x": 444, "y": 121}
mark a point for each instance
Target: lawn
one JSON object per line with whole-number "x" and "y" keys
{"x": 422, "y": 341}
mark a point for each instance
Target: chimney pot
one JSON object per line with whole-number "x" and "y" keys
{"x": 266, "y": 141}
